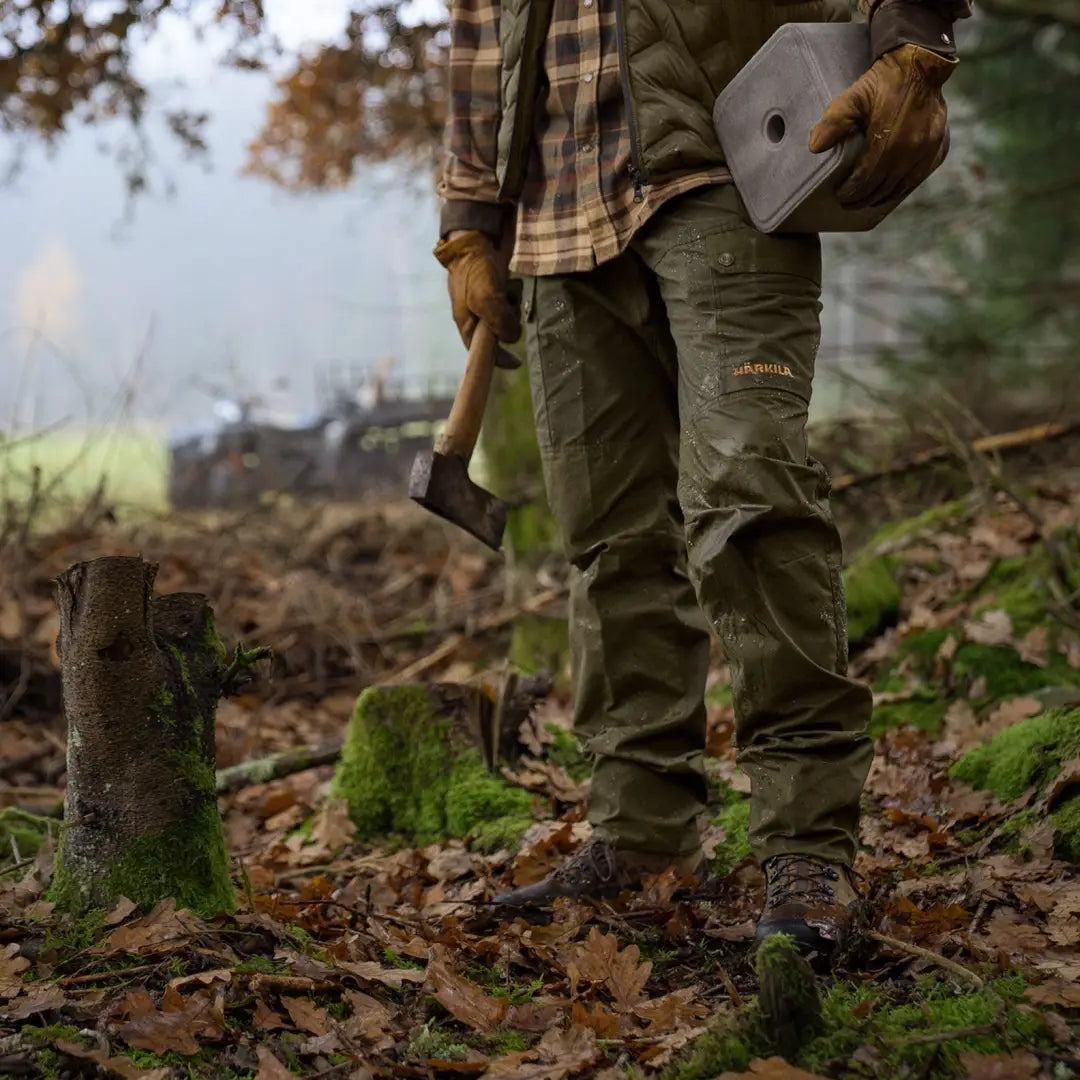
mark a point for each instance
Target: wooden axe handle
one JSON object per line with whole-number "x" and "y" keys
{"x": 463, "y": 427}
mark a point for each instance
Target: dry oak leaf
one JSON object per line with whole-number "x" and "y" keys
{"x": 269, "y": 1066}
{"x": 306, "y": 1015}
{"x": 600, "y": 960}
{"x": 1055, "y": 992}
{"x": 601, "y": 1020}
{"x": 1018, "y": 1066}
{"x": 672, "y": 1011}
{"x": 40, "y": 998}
{"x": 372, "y": 971}
{"x": 1033, "y": 646}
{"x": 773, "y": 1068}
{"x": 371, "y": 1020}
{"x": 12, "y": 965}
{"x": 176, "y": 1026}
{"x": 121, "y": 1066}
{"x": 558, "y": 1055}
{"x": 462, "y": 999}
{"x": 163, "y": 924}
{"x": 333, "y": 829}
{"x": 994, "y": 628}
{"x": 266, "y": 1019}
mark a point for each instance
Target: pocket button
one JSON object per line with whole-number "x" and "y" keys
{"x": 726, "y": 259}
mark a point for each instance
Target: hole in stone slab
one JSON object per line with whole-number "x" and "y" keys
{"x": 775, "y": 128}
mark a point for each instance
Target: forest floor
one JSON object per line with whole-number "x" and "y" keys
{"x": 356, "y": 960}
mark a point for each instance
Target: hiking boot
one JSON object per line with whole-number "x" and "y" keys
{"x": 810, "y": 900}
{"x": 598, "y": 870}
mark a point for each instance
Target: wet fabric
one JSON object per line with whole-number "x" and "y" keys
{"x": 671, "y": 388}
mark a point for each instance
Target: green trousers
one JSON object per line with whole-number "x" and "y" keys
{"x": 670, "y": 388}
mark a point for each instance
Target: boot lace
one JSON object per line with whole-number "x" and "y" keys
{"x": 593, "y": 862}
{"x": 800, "y": 878}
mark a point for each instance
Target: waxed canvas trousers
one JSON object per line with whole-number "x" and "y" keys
{"x": 670, "y": 387}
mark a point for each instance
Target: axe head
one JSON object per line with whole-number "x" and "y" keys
{"x": 441, "y": 484}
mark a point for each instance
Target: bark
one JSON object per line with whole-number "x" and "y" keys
{"x": 141, "y": 678}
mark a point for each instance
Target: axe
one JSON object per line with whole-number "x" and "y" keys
{"x": 440, "y": 477}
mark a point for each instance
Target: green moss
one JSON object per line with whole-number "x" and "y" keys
{"x": 855, "y": 1015}
{"x": 480, "y": 801}
{"x": 564, "y": 750}
{"x": 433, "y": 1042}
{"x": 898, "y": 534}
{"x": 394, "y": 776}
{"x": 1066, "y": 822}
{"x": 185, "y": 860}
{"x": 731, "y": 1043}
{"x": 1005, "y": 674}
{"x": 213, "y": 644}
{"x": 924, "y": 713}
{"x": 28, "y": 831}
{"x": 734, "y": 819}
{"x": 71, "y": 935}
{"x": 509, "y": 1042}
{"x": 1018, "y": 586}
{"x": 873, "y": 596}
{"x": 789, "y": 1001}
{"x": 1027, "y": 754}
{"x": 721, "y": 695}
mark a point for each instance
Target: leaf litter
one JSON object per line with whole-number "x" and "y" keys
{"x": 350, "y": 961}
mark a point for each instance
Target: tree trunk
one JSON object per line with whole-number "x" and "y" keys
{"x": 141, "y": 679}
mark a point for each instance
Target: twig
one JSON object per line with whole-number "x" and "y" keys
{"x": 277, "y": 766}
{"x": 926, "y": 954}
{"x": 449, "y": 647}
{"x": 102, "y": 976}
{"x": 300, "y": 983}
{"x": 944, "y": 1036}
{"x": 241, "y": 661}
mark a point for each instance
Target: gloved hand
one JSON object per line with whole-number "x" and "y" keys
{"x": 479, "y": 285}
{"x": 899, "y": 106}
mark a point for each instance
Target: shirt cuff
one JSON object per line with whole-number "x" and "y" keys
{"x": 901, "y": 22}
{"x": 463, "y": 215}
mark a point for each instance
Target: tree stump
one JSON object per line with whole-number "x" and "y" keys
{"x": 141, "y": 678}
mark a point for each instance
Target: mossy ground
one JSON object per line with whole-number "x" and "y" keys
{"x": 22, "y": 834}
{"x": 1029, "y": 755}
{"x": 890, "y": 1021}
{"x": 399, "y": 775}
{"x": 541, "y": 643}
{"x": 873, "y": 596}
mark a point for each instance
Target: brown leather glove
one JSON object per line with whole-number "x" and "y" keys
{"x": 479, "y": 286}
{"x": 899, "y": 106}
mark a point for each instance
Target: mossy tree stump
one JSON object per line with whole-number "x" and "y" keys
{"x": 141, "y": 678}
{"x": 413, "y": 765}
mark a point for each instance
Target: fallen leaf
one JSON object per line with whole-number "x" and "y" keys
{"x": 1034, "y": 645}
{"x": 39, "y": 999}
{"x": 306, "y": 1015}
{"x": 370, "y": 1020}
{"x": 600, "y": 1020}
{"x": 628, "y": 977}
{"x": 122, "y": 1066}
{"x": 1017, "y": 1066}
{"x": 462, "y": 999}
{"x": 773, "y": 1068}
{"x": 203, "y": 978}
{"x": 372, "y": 971}
{"x": 121, "y": 910}
{"x": 332, "y": 828}
{"x": 163, "y": 924}
{"x": 12, "y": 965}
{"x": 672, "y": 1011}
{"x": 994, "y": 628}
{"x": 269, "y": 1066}
{"x": 176, "y": 1026}
{"x": 265, "y": 1018}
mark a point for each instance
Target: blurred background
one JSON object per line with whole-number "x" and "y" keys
{"x": 218, "y": 217}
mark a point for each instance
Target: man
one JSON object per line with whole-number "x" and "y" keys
{"x": 671, "y": 353}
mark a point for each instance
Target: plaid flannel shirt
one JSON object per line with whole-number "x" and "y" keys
{"x": 579, "y": 206}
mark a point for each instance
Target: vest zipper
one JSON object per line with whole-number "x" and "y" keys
{"x": 637, "y": 171}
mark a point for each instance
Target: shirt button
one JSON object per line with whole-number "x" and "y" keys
{"x": 727, "y": 259}
{"x": 588, "y": 76}
{"x": 945, "y": 38}
{"x": 587, "y": 3}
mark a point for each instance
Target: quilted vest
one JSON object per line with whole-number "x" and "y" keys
{"x": 675, "y": 56}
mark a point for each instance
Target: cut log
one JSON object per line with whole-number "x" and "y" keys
{"x": 141, "y": 678}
